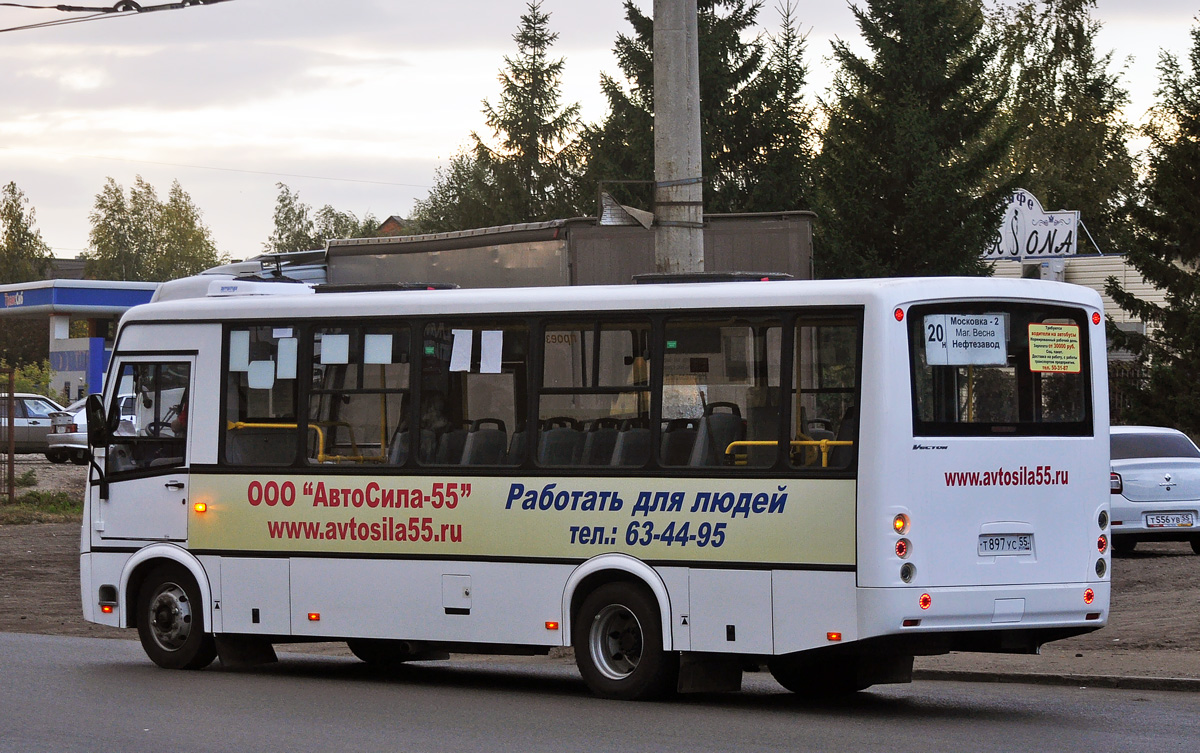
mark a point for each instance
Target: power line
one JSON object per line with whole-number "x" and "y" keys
{"x": 118, "y": 10}
{"x": 231, "y": 169}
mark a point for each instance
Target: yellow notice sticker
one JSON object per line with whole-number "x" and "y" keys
{"x": 1054, "y": 348}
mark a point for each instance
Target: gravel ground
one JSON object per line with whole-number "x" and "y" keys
{"x": 1153, "y": 629}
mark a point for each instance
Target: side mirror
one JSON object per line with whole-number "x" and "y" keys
{"x": 97, "y": 422}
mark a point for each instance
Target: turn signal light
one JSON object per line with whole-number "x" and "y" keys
{"x": 314, "y": 616}
{"x": 106, "y": 608}
{"x": 833, "y": 636}
{"x": 1089, "y": 596}
{"x": 900, "y": 524}
{"x": 551, "y": 625}
{"x": 200, "y": 507}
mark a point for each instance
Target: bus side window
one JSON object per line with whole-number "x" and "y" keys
{"x": 473, "y": 388}
{"x": 721, "y": 392}
{"x": 359, "y": 398}
{"x": 260, "y": 409}
{"x": 153, "y": 433}
{"x": 595, "y": 386}
{"x": 825, "y": 384}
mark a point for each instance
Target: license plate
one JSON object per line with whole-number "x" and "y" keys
{"x": 993, "y": 544}
{"x": 1170, "y": 520}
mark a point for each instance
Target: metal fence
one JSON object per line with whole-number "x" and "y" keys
{"x": 8, "y": 432}
{"x": 1124, "y": 379}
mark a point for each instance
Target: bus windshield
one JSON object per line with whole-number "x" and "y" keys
{"x": 1003, "y": 368}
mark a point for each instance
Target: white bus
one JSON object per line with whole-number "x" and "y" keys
{"x": 678, "y": 480}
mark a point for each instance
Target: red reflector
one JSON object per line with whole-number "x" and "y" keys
{"x": 925, "y": 601}
{"x": 899, "y": 315}
{"x": 1093, "y": 615}
{"x": 314, "y": 616}
{"x": 106, "y": 608}
{"x": 1095, "y": 317}
{"x": 551, "y": 625}
{"x": 1089, "y": 596}
{"x": 833, "y": 636}
{"x": 911, "y": 623}
{"x": 1118, "y": 522}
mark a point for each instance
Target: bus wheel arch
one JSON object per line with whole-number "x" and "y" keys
{"x": 144, "y": 562}
{"x": 609, "y": 568}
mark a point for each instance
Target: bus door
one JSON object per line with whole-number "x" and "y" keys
{"x": 146, "y": 463}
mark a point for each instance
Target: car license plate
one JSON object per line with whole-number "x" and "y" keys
{"x": 993, "y": 544}
{"x": 1170, "y": 520}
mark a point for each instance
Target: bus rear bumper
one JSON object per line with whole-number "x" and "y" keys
{"x": 1028, "y": 614}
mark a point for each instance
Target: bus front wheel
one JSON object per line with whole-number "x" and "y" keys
{"x": 619, "y": 644}
{"x": 170, "y": 620}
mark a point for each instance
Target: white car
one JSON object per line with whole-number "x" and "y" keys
{"x": 1155, "y": 483}
{"x": 31, "y": 422}
{"x": 68, "y": 432}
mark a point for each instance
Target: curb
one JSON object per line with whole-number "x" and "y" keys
{"x": 1182, "y": 684}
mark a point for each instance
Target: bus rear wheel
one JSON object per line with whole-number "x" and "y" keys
{"x": 817, "y": 677}
{"x": 170, "y": 620}
{"x": 619, "y": 644}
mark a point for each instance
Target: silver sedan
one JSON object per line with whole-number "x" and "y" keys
{"x": 1155, "y": 483}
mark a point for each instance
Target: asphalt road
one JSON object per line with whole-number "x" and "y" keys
{"x": 88, "y": 694}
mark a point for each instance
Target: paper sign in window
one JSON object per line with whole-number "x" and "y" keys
{"x": 261, "y": 375}
{"x": 1054, "y": 348}
{"x": 965, "y": 340}
{"x": 460, "y": 352}
{"x": 285, "y": 366}
{"x": 491, "y": 346}
{"x": 377, "y": 349}
{"x": 239, "y": 350}
{"x": 335, "y": 349}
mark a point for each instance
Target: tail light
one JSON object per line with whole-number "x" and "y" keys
{"x": 1114, "y": 483}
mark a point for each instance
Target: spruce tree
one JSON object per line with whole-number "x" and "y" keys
{"x": 1065, "y": 105}
{"x": 755, "y": 130}
{"x": 1167, "y": 253}
{"x": 522, "y": 174}
{"x": 906, "y": 173}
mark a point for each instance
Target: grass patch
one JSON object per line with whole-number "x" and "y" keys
{"x": 42, "y": 507}
{"x": 26, "y": 479}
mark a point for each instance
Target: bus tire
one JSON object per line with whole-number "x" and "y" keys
{"x": 619, "y": 644}
{"x": 1196, "y": 545}
{"x": 817, "y": 677}
{"x": 170, "y": 620}
{"x": 1122, "y": 545}
{"x": 382, "y": 654}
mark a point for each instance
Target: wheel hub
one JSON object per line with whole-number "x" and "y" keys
{"x": 170, "y": 617}
{"x": 615, "y": 642}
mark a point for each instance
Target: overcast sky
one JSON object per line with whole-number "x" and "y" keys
{"x": 353, "y": 103}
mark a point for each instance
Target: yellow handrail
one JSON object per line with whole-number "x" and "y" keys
{"x": 318, "y": 427}
{"x": 824, "y": 444}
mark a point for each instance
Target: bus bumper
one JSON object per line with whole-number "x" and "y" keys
{"x": 1052, "y": 610}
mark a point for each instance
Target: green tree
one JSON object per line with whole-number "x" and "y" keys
{"x": 298, "y": 228}
{"x": 756, "y": 133}
{"x": 1064, "y": 105}
{"x": 910, "y": 150}
{"x": 464, "y": 195}
{"x": 524, "y": 175}
{"x": 139, "y": 237}
{"x": 1167, "y": 252}
{"x": 24, "y": 256}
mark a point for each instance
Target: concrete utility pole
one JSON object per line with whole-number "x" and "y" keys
{"x": 679, "y": 185}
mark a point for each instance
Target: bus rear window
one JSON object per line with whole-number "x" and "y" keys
{"x": 1001, "y": 368}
